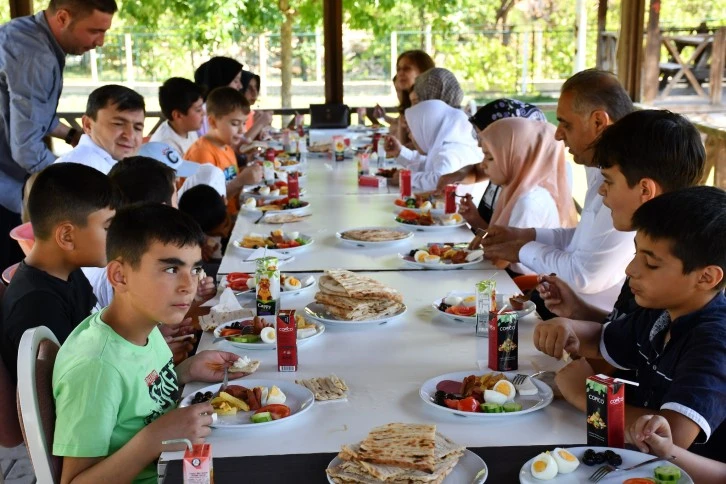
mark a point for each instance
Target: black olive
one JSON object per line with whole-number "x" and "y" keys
{"x": 443, "y": 306}
{"x": 588, "y": 460}
{"x": 439, "y": 397}
{"x": 614, "y": 459}
{"x": 412, "y": 253}
{"x": 600, "y": 458}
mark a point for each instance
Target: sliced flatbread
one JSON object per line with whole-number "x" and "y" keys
{"x": 410, "y": 446}
{"x": 374, "y": 235}
{"x": 362, "y": 314}
{"x": 362, "y": 287}
{"x": 241, "y": 366}
{"x": 326, "y": 387}
{"x": 350, "y": 303}
{"x": 284, "y": 218}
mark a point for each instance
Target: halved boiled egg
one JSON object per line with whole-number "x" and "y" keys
{"x": 432, "y": 259}
{"x": 426, "y": 206}
{"x": 490, "y": 396}
{"x": 291, "y": 284}
{"x": 420, "y": 256}
{"x": 544, "y": 467}
{"x": 264, "y": 392}
{"x": 251, "y": 283}
{"x": 250, "y": 203}
{"x": 275, "y": 396}
{"x": 292, "y": 235}
{"x": 264, "y": 190}
{"x": 268, "y": 335}
{"x": 474, "y": 255}
{"x": 275, "y": 192}
{"x": 469, "y": 301}
{"x": 452, "y": 300}
{"x": 506, "y": 388}
{"x": 566, "y": 462}
{"x": 452, "y": 219}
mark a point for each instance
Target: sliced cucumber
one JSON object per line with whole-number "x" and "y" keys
{"x": 667, "y": 473}
{"x": 491, "y": 408}
{"x": 512, "y": 407}
{"x": 262, "y": 417}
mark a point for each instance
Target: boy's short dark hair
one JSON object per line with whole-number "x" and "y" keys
{"x": 205, "y": 206}
{"x": 655, "y": 144}
{"x": 122, "y": 97}
{"x": 83, "y": 8}
{"x": 224, "y": 100}
{"x": 693, "y": 220}
{"x": 67, "y": 191}
{"x": 143, "y": 179}
{"x": 136, "y": 227}
{"x": 595, "y": 89}
{"x": 178, "y": 94}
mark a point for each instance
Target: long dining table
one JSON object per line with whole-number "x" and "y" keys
{"x": 384, "y": 366}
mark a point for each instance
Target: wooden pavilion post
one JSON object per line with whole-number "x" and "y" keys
{"x": 652, "y": 53}
{"x": 718, "y": 52}
{"x": 630, "y": 46}
{"x": 21, "y": 8}
{"x": 333, "y": 32}
{"x": 602, "y": 17}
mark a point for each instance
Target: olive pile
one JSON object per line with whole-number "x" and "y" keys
{"x": 591, "y": 458}
{"x": 441, "y": 395}
{"x": 200, "y": 397}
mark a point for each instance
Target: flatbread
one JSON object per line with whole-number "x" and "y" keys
{"x": 350, "y": 304}
{"x": 374, "y": 235}
{"x": 410, "y": 446}
{"x": 284, "y": 218}
{"x": 362, "y": 313}
{"x": 325, "y": 388}
{"x": 362, "y": 287}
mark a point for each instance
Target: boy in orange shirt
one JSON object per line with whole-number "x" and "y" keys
{"x": 227, "y": 110}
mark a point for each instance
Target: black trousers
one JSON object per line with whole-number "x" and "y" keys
{"x": 10, "y": 251}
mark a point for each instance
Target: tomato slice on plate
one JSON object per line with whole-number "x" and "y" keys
{"x": 229, "y": 332}
{"x": 277, "y": 410}
{"x": 639, "y": 480}
{"x": 461, "y": 310}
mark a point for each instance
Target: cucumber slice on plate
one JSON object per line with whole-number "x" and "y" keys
{"x": 667, "y": 474}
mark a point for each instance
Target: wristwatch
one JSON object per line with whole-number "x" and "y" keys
{"x": 71, "y": 136}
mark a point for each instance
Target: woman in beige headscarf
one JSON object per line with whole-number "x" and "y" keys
{"x": 523, "y": 157}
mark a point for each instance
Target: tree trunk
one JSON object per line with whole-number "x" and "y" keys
{"x": 286, "y": 53}
{"x": 422, "y": 26}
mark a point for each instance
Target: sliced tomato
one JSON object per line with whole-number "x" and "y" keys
{"x": 238, "y": 285}
{"x": 408, "y": 215}
{"x": 639, "y": 480}
{"x": 462, "y": 310}
{"x": 451, "y": 403}
{"x": 435, "y": 250}
{"x": 468, "y": 404}
{"x": 400, "y": 203}
{"x": 229, "y": 332}
{"x": 277, "y": 410}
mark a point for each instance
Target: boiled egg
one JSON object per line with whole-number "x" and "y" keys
{"x": 268, "y": 335}
{"x": 250, "y": 203}
{"x": 277, "y": 233}
{"x": 544, "y": 467}
{"x": 426, "y": 206}
{"x": 452, "y": 219}
{"x": 420, "y": 256}
{"x": 566, "y": 462}
{"x": 277, "y": 163}
{"x": 474, "y": 255}
{"x": 264, "y": 392}
{"x": 275, "y": 192}
{"x": 275, "y": 396}
{"x": 452, "y": 300}
{"x": 469, "y": 301}
{"x": 506, "y": 388}
{"x": 490, "y": 396}
{"x": 251, "y": 283}
{"x": 292, "y": 235}
{"x": 431, "y": 259}
{"x": 264, "y": 190}
{"x": 291, "y": 284}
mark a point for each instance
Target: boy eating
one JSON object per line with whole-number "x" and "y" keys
{"x": 181, "y": 103}
{"x": 227, "y": 110}
{"x": 114, "y": 382}
{"x": 70, "y": 207}
{"x": 676, "y": 340}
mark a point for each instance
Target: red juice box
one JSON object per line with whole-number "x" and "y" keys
{"x": 293, "y": 185}
{"x": 404, "y": 181}
{"x": 372, "y": 181}
{"x": 605, "y": 411}
{"x": 503, "y": 340}
{"x": 450, "y": 199}
{"x": 197, "y": 465}
{"x": 286, "y": 340}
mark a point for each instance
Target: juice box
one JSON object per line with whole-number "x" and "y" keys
{"x": 286, "y": 340}
{"x": 267, "y": 279}
{"x": 372, "y": 181}
{"x": 503, "y": 340}
{"x": 293, "y": 186}
{"x": 605, "y": 411}
{"x": 268, "y": 171}
{"x": 486, "y": 293}
{"x": 339, "y": 148}
{"x": 450, "y": 199}
{"x": 404, "y": 182}
{"x": 197, "y": 465}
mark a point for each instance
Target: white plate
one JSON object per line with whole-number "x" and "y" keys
{"x": 630, "y": 458}
{"x": 529, "y": 307}
{"x": 290, "y": 210}
{"x": 265, "y": 346}
{"x": 430, "y": 228}
{"x": 317, "y": 312}
{"x": 434, "y": 211}
{"x": 440, "y": 266}
{"x": 360, "y": 243}
{"x": 463, "y": 473}
{"x": 245, "y": 250}
{"x": 284, "y": 293}
{"x": 530, "y": 403}
{"x": 299, "y": 400}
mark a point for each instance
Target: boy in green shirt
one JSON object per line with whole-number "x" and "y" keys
{"x": 114, "y": 381}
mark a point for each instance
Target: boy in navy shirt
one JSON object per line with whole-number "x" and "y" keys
{"x": 676, "y": 341}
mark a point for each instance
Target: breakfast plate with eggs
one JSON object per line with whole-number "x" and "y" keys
{"x": 426, "y": 222}
{"x": 503, "y": 399}
{"x": 267, "y": 339}
{"x": 296, "y": 398}
{"x": 443, "y": 256}
{"x": 460, "y": 306}
{"x": 278, "y": 240}
{"x": 565, "y": 466}
{"x": 289, "y": 284}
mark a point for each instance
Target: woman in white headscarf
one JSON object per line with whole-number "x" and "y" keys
{"x": 445, "y": 138}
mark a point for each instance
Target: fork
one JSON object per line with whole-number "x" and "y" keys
{"x": 603, "y": 471}
{"x": 225, "y": 382}
{"x": 520, "y": 378}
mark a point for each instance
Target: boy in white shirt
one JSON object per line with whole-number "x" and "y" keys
{"x": 182, "y": 105}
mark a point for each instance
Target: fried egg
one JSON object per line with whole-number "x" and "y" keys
{"x": 268, "y": 335}
{"x": 452, "y": 300}
{"x": 469, "y": 301}
{"x": 566, "y": 462}
{"x": 432, "y": 259}
{"x": 490, "y": 396}
{"x": 506, "y": 388}
{"x": 474, "y": 255}
{"x": 275, "y": 396}
{"x": 544, "y": 467}
{"x": 420, "y": 256}
{"x": 291, "y": 284}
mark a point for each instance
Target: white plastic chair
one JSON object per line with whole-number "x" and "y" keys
{"x": 36, "y": 357}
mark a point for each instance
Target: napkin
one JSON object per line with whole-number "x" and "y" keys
{"x": 262, "y": 252}
{"x": 227, "y": 303}
{"x": 210, "y": 321}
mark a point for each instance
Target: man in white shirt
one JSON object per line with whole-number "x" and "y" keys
{"x": 113, "y": 125}
{"x": 181, "y": 103}
{"x": 591, "y": 257}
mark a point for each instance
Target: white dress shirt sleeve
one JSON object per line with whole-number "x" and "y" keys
{"x": 410, "y": 158}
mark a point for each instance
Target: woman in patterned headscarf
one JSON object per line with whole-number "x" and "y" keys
{"x": 437, "y": 83}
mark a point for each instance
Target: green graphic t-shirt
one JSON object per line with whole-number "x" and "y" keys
{"x": 106, "y": 389}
